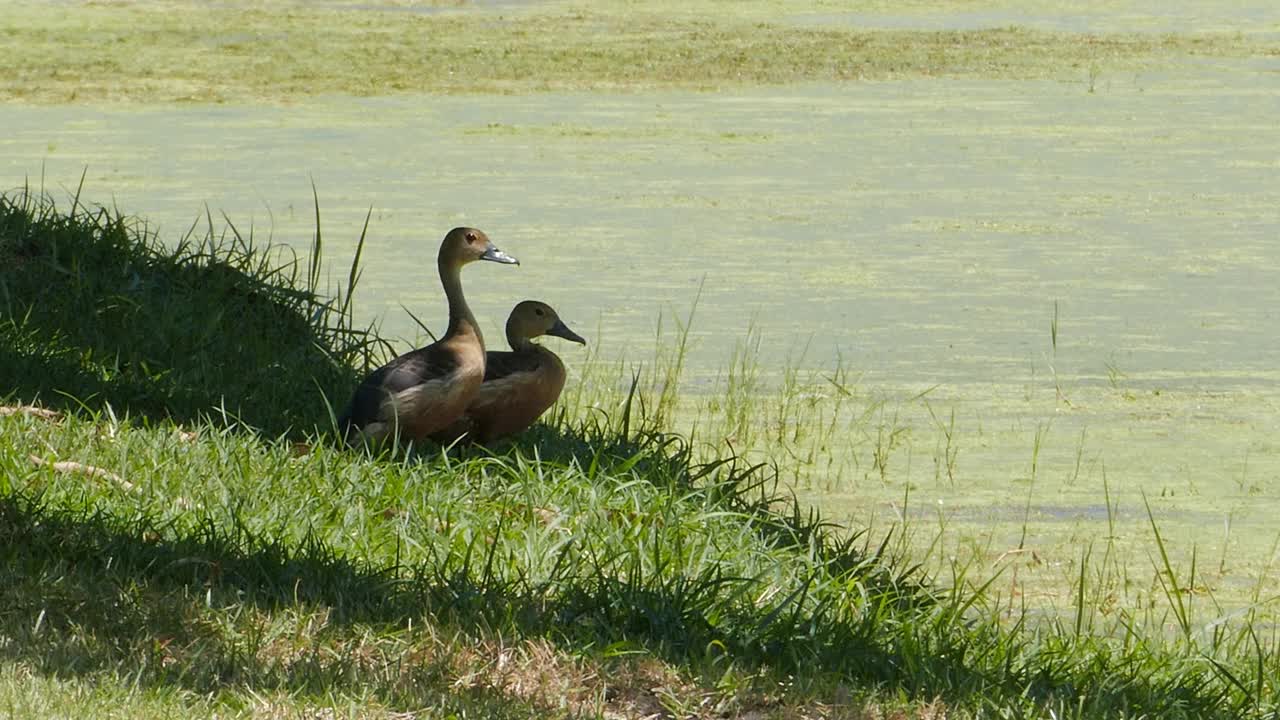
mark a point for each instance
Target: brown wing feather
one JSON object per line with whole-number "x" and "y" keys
{"x": 403, "y": 373}
{"x": 421, "y": 365}
{"x": 501, "y": 364}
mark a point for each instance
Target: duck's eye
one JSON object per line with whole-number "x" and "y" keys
{"x": 539, "y": 312}
{"x": 471, "y": 237}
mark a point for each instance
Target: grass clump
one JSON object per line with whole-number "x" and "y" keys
{"x": 96, "y": 311}
{"x": 597, "y": 567}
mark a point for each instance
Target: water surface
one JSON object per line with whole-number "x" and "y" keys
{"x": 921, "y": 231}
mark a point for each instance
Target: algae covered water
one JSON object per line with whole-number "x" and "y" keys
{"x": 922, "y": 229}
{"x": 1085, "y": 272}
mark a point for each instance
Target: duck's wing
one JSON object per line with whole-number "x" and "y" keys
{"x": 415, "y": 368}
{"x": 500, "y": 364}
{"x": 421, "y": 366}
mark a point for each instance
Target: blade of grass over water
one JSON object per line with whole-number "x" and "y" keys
{"x": 600, "y": 565}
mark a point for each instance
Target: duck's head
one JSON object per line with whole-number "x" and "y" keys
{"x": 531, "y": 319}
{"x": 464, "y": 245}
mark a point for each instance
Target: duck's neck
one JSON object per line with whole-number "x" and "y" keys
{"x": 461, "y": 322}
{"x": 518, "y": 341}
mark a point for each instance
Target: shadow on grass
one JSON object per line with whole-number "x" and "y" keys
{"x": 90, "y": 596}
{"x": 96, "y": 312}
{"x": 92, "y": 593}
{"x": 216, "y": 609}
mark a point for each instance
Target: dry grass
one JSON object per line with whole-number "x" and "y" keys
{"x": 190, "y": 52}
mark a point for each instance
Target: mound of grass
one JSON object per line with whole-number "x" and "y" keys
{"x": 94, "y": 310}
{"x": 597, "y": 567}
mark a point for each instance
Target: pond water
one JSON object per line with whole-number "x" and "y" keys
{"x": 923, "y": 230}
{"x": 920, "y": 230}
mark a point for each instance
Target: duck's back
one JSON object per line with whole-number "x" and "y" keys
{"x": 416, "y": 394}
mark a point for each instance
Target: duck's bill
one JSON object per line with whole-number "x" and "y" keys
{"x": 562, "y": 331}
{"x": 496, "y": 255}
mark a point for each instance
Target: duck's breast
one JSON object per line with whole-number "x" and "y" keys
{"x": 512, "y": 398}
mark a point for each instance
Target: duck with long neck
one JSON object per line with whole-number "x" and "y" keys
{"x": 462, "y": 323}
{"x": 519, "y": 386}
{"x": 428, "y": 389}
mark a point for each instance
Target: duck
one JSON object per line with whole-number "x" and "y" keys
{"x": 426, "y": 390}
{"x": 518, "y": 385}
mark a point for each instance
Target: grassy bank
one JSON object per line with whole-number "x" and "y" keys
{"x": 179, "y": 536}
{"x": 191, "y": 52}
{"x": 98, "y": 312}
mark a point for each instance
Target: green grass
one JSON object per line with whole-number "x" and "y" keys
{"x": 96, "y": 311}
{"x": 169, "y": 546}
{"x": 192, "y": 52}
